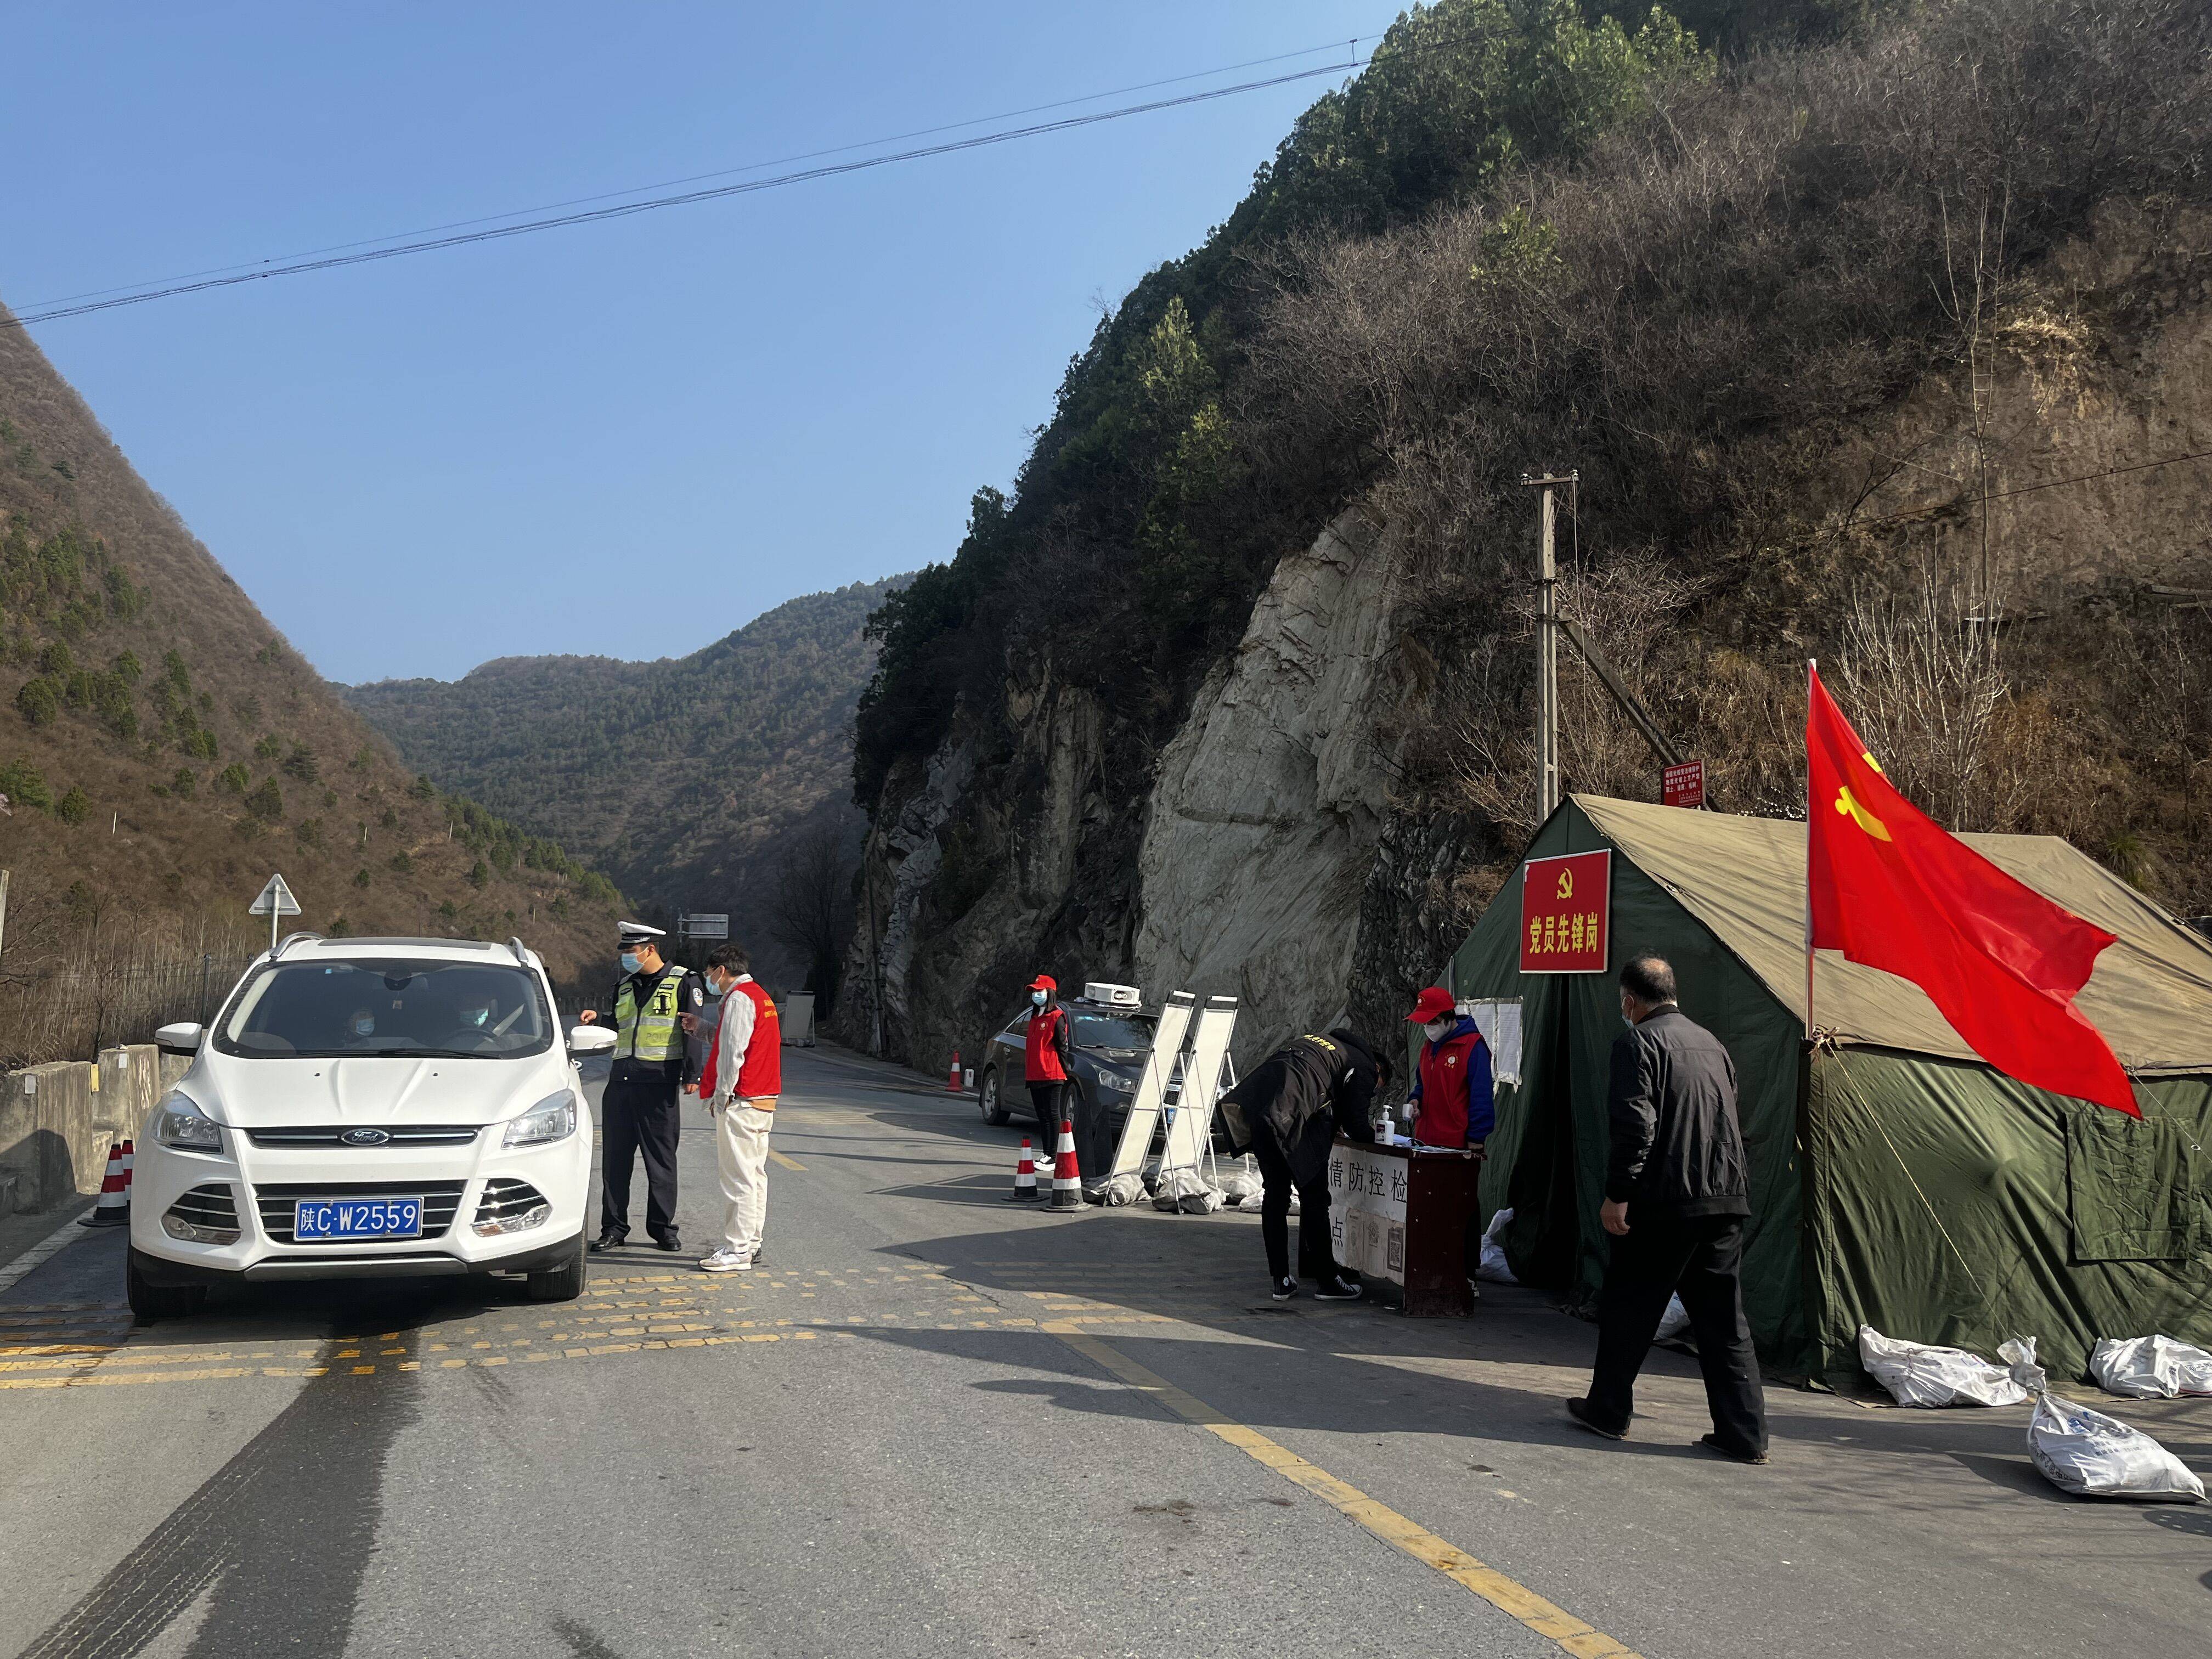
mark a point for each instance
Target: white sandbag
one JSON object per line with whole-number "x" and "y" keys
{"x": 1185, "y": 1190}
{"x": 1128, "y": 1189}
{"x": 2150, "y": 1367}
{"x": 1492, "y": 1266}
{"x": 1240, "y": 1179}
{"x": 1917, "y": 1374}
{"x": 1674, "y": 1321}
{"x": 2089, "y": 1454}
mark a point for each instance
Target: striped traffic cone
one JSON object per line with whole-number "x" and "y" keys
{"x": 952, "y": 1082}
{"x": 1066, "y": 1184}
{"x": 1025, "y": 1186}
{"x": 113, "y": 1209}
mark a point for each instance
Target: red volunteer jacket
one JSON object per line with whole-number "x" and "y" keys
{"x": 1042, "y": 1045}
{"x": 760, "y": 1071}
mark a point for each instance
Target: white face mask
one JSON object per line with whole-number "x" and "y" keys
{"x": 1037, "y": 997}
{"x": 1438, "y": 1030}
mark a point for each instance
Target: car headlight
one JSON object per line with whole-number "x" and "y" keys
{"x": 553, "y": 1118}
{"x": 179, "y": 1122}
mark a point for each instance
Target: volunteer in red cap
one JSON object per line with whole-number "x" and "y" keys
{"x": 1048, "y": 1057}
{"x": 1452, "y": 1085}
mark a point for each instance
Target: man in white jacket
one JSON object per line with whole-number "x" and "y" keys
{"x": 744, "y": 1077}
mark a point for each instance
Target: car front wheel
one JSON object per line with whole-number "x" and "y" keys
{"x": 562, "y": 1283}
{"x": 149, "y": 1301}
{"x": 994, "y": 1107}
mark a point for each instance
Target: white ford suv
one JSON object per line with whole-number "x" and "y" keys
{"x": 368, "y": 1107}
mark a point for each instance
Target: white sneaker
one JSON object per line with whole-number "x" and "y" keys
{"x": 726, "y": 1261}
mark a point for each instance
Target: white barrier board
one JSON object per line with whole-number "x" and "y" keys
{"x": 1152, "y": 1086}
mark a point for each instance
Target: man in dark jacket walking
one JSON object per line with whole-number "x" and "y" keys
{"x": 1286, "y": 1112}
{"x": 1677, "y": 1192}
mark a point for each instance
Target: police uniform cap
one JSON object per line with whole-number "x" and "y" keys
{"x": 634, "y": 932}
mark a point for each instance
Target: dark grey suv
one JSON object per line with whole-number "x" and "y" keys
{"x": 1110, "y": 1045}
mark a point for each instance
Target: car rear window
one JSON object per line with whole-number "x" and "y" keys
{"x": 397, "y": 1009}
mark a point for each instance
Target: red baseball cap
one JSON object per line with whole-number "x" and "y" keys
{"x": 1044, "y": 982}
{"x": 1434, "y": 1003}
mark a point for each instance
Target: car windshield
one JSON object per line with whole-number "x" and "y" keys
{"x": 393, "y": 1009}
{"x": 1117, "y": 1031}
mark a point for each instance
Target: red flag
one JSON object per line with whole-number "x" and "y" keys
{"x": 1891, "y": 890}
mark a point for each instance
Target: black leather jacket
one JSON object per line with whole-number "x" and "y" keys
{"x": 1677, "y": 1147}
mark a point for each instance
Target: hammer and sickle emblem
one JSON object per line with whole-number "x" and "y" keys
{"x": 1847, "y": 805}
{"x": 1566, "y": 883}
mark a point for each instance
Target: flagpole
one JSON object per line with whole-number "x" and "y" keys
{"x": 1812, "y": 668}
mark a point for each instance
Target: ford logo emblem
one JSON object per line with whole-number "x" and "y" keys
{"x": 364, "y": 1137}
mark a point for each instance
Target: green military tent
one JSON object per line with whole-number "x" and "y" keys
{"x": 1897, "y": 1180}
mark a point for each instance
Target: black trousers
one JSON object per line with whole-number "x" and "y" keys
{"x": 1045, "y": 1101}
{"x": 638, "y": 1114}
{"x": 1316, "y": 1250}
{"x": 1700, "y": 1258}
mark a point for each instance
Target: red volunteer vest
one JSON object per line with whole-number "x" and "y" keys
{"x": 760, "y": 1071}
{"x": 1443, "y": 1118}
{"x": 1040, "y": 1060}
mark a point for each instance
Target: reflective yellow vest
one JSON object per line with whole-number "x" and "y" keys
{"x": 655, "y": 1034}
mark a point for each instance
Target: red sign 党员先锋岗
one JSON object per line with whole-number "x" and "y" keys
{"x": 1567, "y": 914}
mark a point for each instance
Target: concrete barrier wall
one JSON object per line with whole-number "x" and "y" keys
{"x": 54, "y": 1134}
{"x": 130, "y": 1083}
{"x": 57, "y": 1121}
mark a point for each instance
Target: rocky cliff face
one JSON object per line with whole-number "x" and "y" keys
{"x": 1239, "y": 864}
{"x": 1271, "y": 800}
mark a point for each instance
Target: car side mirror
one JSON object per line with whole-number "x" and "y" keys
{"x": 182, "y": 1038}
{"x": 590, "y": 1040}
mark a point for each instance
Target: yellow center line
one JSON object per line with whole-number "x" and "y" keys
{"x": 787, "y": 1163}
{"x": 1513, "y": 1599}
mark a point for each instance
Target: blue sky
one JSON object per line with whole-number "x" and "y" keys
{"x": 625, "y": 439}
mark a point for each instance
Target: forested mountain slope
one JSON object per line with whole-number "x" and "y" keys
{"x": 164, "y": 750}
{"x": 689, "y": 778}
{"x": 1878, "y": 332}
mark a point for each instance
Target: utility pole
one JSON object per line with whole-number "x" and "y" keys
{"x": 1547, "y": 640}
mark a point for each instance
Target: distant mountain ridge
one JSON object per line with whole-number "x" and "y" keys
{"x": 685, "y": 778}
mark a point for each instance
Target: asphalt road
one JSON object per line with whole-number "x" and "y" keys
{"x": 937, "y": 1423}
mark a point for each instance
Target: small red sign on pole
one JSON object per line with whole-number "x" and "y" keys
{"x": 1567, "y": 914}
{"x": 1683, "y": 785}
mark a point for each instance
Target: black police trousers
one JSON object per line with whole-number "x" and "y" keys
{"x": 638, "y": 1114}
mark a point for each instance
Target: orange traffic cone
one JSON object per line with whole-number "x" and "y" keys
{"x": 1066, "y": 1184}
{"x": 952, "y": 1082}
{"x": 113, "y": 1209}
{"x": 1025, "y": 1186}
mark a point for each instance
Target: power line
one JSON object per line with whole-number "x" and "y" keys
{"x": 1349, "y": 44}
{"x": 2030, "y": 489}
{"x": 337, "y": 257}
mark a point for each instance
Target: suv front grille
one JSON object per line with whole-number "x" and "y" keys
{"x": 205, "y": 1215}
{"x": 396, "y": 1134}
{"x": 278, "y": 1205}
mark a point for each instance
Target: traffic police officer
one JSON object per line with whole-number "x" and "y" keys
{"x": 638, "y": 1112}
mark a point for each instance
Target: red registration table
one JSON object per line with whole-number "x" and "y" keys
{"x": 1399, "y": 1214}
